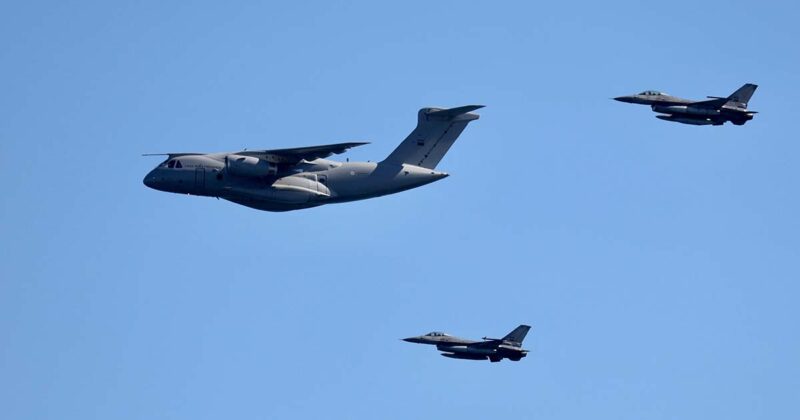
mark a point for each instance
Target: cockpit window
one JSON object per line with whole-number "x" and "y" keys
{"x": 436, "y": 334}
{"x": 173, "y": 163}
{"x": 651, "y": 93}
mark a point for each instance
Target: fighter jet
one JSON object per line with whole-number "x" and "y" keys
{"x": 298, "y": 178}
{"x": 494, "y": 349}
{"x": 715, "y": 111}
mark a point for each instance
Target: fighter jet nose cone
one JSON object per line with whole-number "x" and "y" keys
{"x": 409, "y": 340}
{"x": 626, "y": 99}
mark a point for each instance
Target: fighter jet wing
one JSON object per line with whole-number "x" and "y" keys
{"x": 715, "y": 103}
{"x": 295, "y": 155}
{"x": 488, "y": 344}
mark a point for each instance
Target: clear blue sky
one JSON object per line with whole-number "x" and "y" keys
{"x": 658, "y": 263}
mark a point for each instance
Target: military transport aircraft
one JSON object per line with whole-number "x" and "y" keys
{"x": 715, "y": 111}
{"x": 494, "y": 349}
{"x": 298, "y": 178}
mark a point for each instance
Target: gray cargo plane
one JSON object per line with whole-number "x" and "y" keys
{"x": 494, "y": 349}
{"x": 715, "y": 111}
{"x": 298, "y": 178}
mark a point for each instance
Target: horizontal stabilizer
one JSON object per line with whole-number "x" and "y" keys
{"x": 453, "y": 112}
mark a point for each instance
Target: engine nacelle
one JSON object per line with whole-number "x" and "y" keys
{"x": 683, "y": 109}
{"x": 249, "y": 166}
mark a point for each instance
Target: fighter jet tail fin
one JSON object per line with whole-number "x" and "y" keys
{"x": 518, "y": 334}
{"x": 437, "y": 129}
{"x": 741, "y": 97}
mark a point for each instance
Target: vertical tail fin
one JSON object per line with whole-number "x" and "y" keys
{"x": 741, "y": 97}
{"x": 518, "y": 334}
{"x": 437, "y": 129}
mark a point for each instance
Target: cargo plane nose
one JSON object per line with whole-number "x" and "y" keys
{"x": 149, "y": 180}
{"x": 152, "y": 180}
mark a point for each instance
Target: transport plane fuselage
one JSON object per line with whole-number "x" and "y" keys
{"x": 313, "y": 183}
{"x": 297, "y": 178}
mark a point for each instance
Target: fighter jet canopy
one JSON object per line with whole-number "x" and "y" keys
{"x": 651, "y": 93}
{"x": 435, "y": 334}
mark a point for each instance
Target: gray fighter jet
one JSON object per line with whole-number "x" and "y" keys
{"x": 291, "y": 179}
{"x": 494, "y": 349}
{"x": 715, "y": 111}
